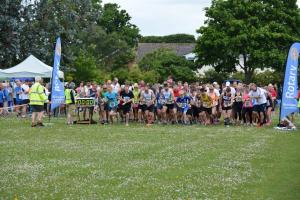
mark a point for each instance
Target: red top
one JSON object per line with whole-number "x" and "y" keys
{"x": 273, "y": 94}
{"x": 176, "y": 93}
{"x": 247, "y": 101}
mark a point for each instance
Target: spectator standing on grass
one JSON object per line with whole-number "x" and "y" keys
{"x": 37, "y": 100}
{"x": 9, "y": 97}
{"x": 70, "y": 104}
{"x": 3, "y": 97}
{"x": 25, "y": 97}
{"x": 18, "y": 99}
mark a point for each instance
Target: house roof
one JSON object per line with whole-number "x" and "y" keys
{"x": 181, "y": 49}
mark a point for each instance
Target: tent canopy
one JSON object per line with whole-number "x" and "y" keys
{"x": 30, "y": 67}
{"x": 2, "y": 74}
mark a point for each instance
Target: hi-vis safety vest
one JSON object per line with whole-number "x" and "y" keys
{"x": 299, "y": 103}
{"x": 68, "y": 96}
{"x": 37, "y": 95}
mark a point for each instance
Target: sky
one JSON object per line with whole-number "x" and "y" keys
{"x": 164, "y": 17}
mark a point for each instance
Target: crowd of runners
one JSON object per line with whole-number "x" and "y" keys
{"x": 230, "y": 103}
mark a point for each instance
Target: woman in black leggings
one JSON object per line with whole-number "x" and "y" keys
{"x": 238, "y": 106}
{"x": 247, "y": 106}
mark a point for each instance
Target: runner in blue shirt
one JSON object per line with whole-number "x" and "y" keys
{"x": 184, "y": 107}
{"x": 111, "y": 99}
{"x": 159, "y": 104}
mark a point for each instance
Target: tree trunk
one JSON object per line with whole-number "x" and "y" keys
{"x": 248, "y": 70}
{"x": 248, "y": 76}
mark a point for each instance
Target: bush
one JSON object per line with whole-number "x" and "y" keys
{"x": 268, "y": 77}
{"x": 85, "y": 68}
{"x": 165, "y": 62}
{"x": 176, "y": 38}
{"x": 211, "y": 76}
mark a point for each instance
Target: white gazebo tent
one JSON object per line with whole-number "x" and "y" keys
{"x": 30, "y": 67}
{"x": 2, "y": 74}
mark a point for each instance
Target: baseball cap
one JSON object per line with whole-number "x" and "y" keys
{"x": 227, "y": 84}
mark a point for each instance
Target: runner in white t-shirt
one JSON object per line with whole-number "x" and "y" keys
{"x": 259, "y": 95}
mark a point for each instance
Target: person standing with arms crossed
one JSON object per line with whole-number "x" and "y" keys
{"x": 37, "y": 99}
{"x": 70, "y": 95}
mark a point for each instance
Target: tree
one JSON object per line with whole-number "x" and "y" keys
{"x": 176, "y": 38}
{"x": 88, "y": 38}
{"x": 116, "y": 20}
{"x": 85, "y": 67}
{"x": 10, "y": 30}
{"x": 65, "y": 18}
{"x": 250, "y": 34}
{"x": 211, "y": 76}
{"x": 165, "y": 62}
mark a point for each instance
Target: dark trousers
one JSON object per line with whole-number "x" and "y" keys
{"x": 246, "y": 111}
{"x": 237, "y": 107}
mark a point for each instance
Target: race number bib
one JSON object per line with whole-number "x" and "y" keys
{"x": 126, "y": 99}
{"x": 112, "y": 104}
{"x": 248, "y": 104}
{"x": 238, "y": 99}
{"x": 226, "y": 103}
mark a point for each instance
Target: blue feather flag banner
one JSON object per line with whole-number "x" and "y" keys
{"x": 57, "y": 88}
{"x": 289, "y": 102}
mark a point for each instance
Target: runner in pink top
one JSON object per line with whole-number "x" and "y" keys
{"x": 247, "y": 107}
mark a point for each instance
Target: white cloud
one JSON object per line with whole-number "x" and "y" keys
{"x": 163, "y": 17}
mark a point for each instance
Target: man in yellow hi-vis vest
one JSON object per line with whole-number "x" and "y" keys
{"x": 70, "y": 95}
{"x": 37, "y": 98}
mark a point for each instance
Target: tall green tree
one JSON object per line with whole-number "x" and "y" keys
{"x": 64, "y": 18}
{"x": 165, "y": 62}
{"x": 250, "y": 34}
{"x": 116, "y": 20}
{"x": 103, "y": 35}
{"x": 10, "y": 31}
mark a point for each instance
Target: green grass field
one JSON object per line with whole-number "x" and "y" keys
{"x": 160, "y": 162}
